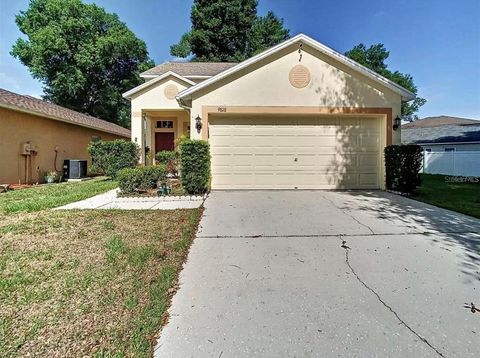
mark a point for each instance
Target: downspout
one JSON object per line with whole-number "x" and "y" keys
{"x": 144, "y": 138}
{"x": 182, "y": 104}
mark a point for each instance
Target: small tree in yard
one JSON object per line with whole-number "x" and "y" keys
{"x": 402, "y": 167}
{"x": 195, "y": 166}
{"x": 109, "y": 157}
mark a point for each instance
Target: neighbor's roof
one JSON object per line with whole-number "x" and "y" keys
{"x": 429, "y": 122}
{"x": 305, "y": 40}
{"x": 189, "y": 69}
{"x": 443, "y": 129}
{"x": 41, "y": 108}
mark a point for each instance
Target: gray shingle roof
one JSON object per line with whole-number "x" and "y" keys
{"x": 45, "y": 109}
{"x": 186, "y": 69}
{"x": 439, "y": 121}
{"x": 447, "y": 133}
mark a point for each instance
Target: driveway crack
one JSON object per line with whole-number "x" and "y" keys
{"x": 402, "y": 322}
{"x": 348, "y": 214}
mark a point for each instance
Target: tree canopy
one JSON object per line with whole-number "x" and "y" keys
{"x": 374, "y": 58}
{"x": 229, "y": 30}
{"x": 84, "y": 56}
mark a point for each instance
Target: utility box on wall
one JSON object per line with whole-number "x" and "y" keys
{"x": 74, "y": 169}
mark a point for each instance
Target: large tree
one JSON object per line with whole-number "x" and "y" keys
{"x": 84, "y": 56}
{"x": 228, "y": 30}
{"x": 374, "y": 58}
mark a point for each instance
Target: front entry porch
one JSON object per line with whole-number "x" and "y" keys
{"x": 163, "y": 128}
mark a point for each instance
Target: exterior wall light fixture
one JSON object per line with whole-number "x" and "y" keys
{"x": 397, "y": 123}
{"x": 198, "y": 123}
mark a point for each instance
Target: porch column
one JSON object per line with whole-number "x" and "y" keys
{"x": 138, "y": 133}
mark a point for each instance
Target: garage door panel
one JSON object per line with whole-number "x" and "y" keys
{"x": 368, "y": 179}
{"x": 369, "y": 160}
{"x": 230, "y": 181}
{"x": 369, "y": 141}
{"x": 272, "y": 150}
{"x": 286, "y": 153}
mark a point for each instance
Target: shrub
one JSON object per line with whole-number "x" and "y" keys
{"x": 170, "y": 159}
{"x": 402, "y": 167}
{"x": 108, "y": 157}
{"x": 131, "y": 180}
{"x": 195, "y": 166}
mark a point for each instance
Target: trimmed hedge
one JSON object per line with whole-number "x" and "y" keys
{"x": 131, "y": 180}
{"x": 108, "y": 157}
{"x": 170, "y": 159}
{"x": 402, "y": 167}
{"x": 195, "y": 166}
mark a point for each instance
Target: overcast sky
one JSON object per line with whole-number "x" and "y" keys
{"x": 436, "y": 41}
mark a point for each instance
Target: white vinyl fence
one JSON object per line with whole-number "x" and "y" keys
{"x": 452, "y": 163}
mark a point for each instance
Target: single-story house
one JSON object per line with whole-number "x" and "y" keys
{"x": 296, "y": 116}
{"x": 443, "y": 134}
{"x": 36, "y": 136}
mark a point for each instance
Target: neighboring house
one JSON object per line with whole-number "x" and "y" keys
{"x": 298, "y": 115}
{"x": 443, "y": 134}
{"x": 52, "y": 133}
{"x": 451, "y": 145}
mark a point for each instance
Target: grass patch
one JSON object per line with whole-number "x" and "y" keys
{"x": 71, "y": 285}
{"x": 53, "y": 195}
{"x": 461, "y": 197}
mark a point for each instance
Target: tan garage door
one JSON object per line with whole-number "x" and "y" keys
{"x": 254, "y": 152}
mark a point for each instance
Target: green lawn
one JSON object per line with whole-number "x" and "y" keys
{"x": 76, "y": 283}
{"x": 53, "y": 195}
{"x": 93, "y": 283}
{"x": 461, "y": 197}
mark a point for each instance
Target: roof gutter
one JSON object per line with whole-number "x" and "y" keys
{"x": 182, "y": 103}
{"x": 446, "y": 143}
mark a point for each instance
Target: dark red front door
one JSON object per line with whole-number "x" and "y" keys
{"x": 164, "y": 141}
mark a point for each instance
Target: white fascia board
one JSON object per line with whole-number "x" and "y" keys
{"x": 149, "y": 76}
{"x": 134, "y": 90}
{"x": 197, "y": 76}
{"x": 447, "y": 143}
{"x": 406, "y": 95}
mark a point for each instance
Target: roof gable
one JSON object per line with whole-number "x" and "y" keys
{"x": 301, "y": 38}
{"x": 150, "y": 83}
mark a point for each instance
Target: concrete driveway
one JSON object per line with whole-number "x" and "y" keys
{"x": 268, "y": 276}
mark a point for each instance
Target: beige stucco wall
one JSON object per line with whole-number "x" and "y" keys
{"x": 44, "y": 135}
{"x": 266, "y": 84}
{"x": 153, "y": 102}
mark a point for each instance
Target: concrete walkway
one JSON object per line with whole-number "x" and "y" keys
{"x": 109, "y": 200}
{"x": 327, "y": 274}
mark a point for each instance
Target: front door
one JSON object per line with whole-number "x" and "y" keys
{"x": 164, "y": 141}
